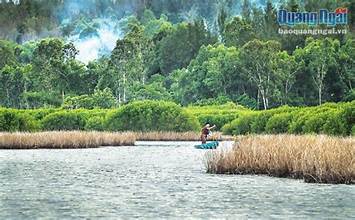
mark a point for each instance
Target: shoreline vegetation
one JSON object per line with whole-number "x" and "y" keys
{"x": 93, "y": 139}
{"x": 313, "y": 158}
{"x": 65, "y": 140}
{"x": 336, "y": 119}
{"x": 179, "y": 136}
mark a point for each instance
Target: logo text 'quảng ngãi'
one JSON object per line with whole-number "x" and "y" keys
{"x": 324, "y": 16}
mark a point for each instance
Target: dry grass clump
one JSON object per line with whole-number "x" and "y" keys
{"x": 320, "y": 159}
{"x": 65, "y": 139}
{"x": 175, "y": 136}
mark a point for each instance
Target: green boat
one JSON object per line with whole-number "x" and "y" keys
{"x": 210, "y": 145}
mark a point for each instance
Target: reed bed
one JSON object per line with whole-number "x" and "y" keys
{"x": 317, "y": 159}
{"x": 65, "y": 139}
{"x": 177, "y": 136}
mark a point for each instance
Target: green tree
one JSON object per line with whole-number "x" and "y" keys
{"x": 213, "y": 73}
{"x": 246, "y": 10}
{"x": 7, "y": 53}
{"x": 318, "y": 57}
{"x": 153, "y": 90}
{"x": 238, "y": 32}
{"x": 178, "y": 48}
{"x": 257, "y": 61}
{"x": 347, "y": 63}
{"x": 286, "y": 68}
{"x": 128, "y": 63}
{"x": 50, "y": 72}
{"x": 12, "y": 85}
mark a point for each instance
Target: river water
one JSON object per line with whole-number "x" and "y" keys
{"x": 153, "y": 180}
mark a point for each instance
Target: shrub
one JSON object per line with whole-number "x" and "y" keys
{"x": 95, "y": 123}
{"x": 13, "y": 120}
{"x": 315, "y": 122}
{"x": 9, "y": 120}
{"x": 151, "y": 116}
{"x": 241, "y": 125}
{"x": 39, "y": 114}
{"x": 278, "y": 123}
{"x": 349, "y": 115}
{"x": 219, "y": 115}
{"x": 228, "y": 128}
{"x": 216, "y": 119}
{"x": 298, "y": 121}
{"x": 64, "y": 120}
{"x": 335, "y": 123}
{"x": 100, "y": 99}
{"x": 259, "y": 124}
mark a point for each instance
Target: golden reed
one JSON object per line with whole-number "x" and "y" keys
{"x": 177, "y": 136}
{"x": 65, "y": 139}
{"x": 319, "y": 158}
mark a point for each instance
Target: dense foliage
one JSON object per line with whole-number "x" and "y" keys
{"x": 136, "y": 116}
{"x": 217, "y": 114}
{"x": 190, "y": 52}
{"x": 151, "y": 116}
{"x": 329, "y": 118}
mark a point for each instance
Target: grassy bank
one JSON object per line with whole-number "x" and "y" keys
{"x": 336, "y": 119}
{"x": 82, "y": 139}
{"x": 320, "y": 159}
{"x": 61, "y": 140}
{"x": 178, "y": 136}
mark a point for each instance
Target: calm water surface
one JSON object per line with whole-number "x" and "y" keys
{"x": 153, "y": 180}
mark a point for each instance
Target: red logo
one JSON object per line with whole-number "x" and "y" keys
{"x": 341, "y": 11}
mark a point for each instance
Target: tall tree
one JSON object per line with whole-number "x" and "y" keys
{"x": 238, "y": 32}
{"x": 246, "y": 10}
{"x": 318, "y": 57}
{"x": 50, "y": 66}
{"x": 286, "y": 67}
{"x": 178, "y": 48}
{"x": 213, "y": 73}
{"x": 257, "y": 61}
{"x": 13, "y": 85}
{"x": 128, "y": 63}
{"x": 347, "y": 63}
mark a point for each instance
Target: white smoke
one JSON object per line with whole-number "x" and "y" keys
{"x": 16, "y": 2}
{"x": 99, "y": 44}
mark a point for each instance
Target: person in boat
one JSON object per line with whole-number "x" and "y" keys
{"x": 206, "y": 131}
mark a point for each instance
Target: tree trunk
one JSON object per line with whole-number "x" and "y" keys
{"x": 118, "y": 95}
{"x": 262, "y": 92}
{"x": 258, "y": 100}
{"x": 63, "y": 96}
{"x": 8, "y": 97}
{"x": 124, "y": 88}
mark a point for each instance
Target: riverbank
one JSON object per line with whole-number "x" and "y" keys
{"x": 82, "y": 139}
{"x": 65, "y": 140}
{"x": 314, "y": 158}
{"x": 179, "y": 136}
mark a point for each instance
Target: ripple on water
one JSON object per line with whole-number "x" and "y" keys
{"x": 153, "y": 179}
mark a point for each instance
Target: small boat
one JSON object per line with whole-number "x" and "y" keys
{"x": 209, "y": 145}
